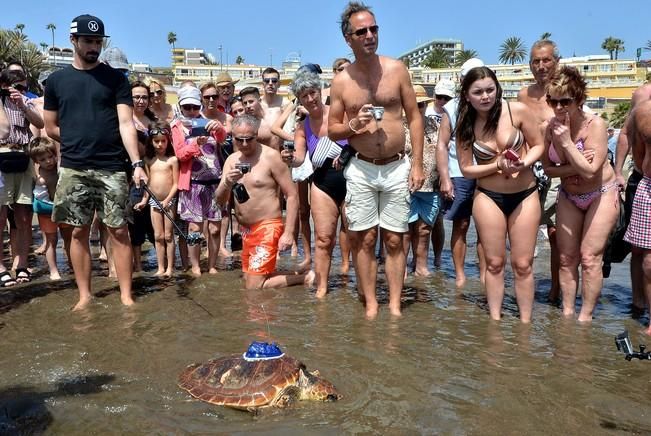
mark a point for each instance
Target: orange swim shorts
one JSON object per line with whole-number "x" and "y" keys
{"x": 260, "y": 246}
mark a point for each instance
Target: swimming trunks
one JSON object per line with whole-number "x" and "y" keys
{"x": 260, "y": 246}
{"x": 484, "y": 153}
{"x": 638, "y": 232}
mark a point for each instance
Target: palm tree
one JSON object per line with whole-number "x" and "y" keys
{"x": 545, "y": 36}
{"x": 609, "y": 46}
{"x": 463, "y": 56}
{"x": 648, "y": 45}
{"x": 438, "y": 58}
{"x": 20, "y": 27}
{"x": 52, "y": 27}
{"x": 171, "y": 39}
{"x": 512, "y": 50}
{"x": 618, "y": 45}
{"x": 619, "y": 114}
{"x": 43, "y": 46}
{"x": 239, "y": 60}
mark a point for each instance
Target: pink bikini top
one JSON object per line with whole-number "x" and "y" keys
{"x": 580, "y": 145}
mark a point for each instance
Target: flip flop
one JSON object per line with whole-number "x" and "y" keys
{"x": 23, "y": 275}
{"x": 6, "y": 280}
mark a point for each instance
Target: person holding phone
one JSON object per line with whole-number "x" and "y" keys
{"x": 497, "y": 143}
{"x": 196, "y": 143}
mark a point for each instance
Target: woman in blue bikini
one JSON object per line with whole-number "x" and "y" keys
{"x": 587, "y": 205}
{"x": 497, "y": 143}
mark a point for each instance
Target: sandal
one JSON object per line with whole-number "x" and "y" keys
{"x": 6, "y": 280}
{"x": 23, "y": 275}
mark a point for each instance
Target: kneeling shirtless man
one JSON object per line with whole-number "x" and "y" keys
{"x": 260, "y": 215}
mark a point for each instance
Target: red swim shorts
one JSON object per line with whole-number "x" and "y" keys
{"x": 260, "y": 246}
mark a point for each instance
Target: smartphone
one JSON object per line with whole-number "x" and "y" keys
{"x": 288, "y": 145}
{"x": 199, "y": 127}
{"x": 511, "y": 155}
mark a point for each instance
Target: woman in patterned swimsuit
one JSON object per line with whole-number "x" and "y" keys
{"x": 587, "y": 205}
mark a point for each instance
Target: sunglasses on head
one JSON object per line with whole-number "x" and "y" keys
{"x": 211, "y": 97}
{"x": 156, "y": 131}
{"x": 565, "y": 102}
{"x": 190, "y": 107}
{"x": 18, "y": 87}
{"x": 363, "y": 31}
{"x": 270, "y": 80}
{"x": 158, "y": 92}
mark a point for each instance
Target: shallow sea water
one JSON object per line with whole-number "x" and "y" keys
{"x": 443, "y": 368}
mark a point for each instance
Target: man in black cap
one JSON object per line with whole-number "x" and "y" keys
{"x": 88, "y": 109}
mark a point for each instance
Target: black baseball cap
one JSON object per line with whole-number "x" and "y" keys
{"x": 87, "y": 25}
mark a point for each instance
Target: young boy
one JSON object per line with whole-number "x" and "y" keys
{"x": 43, "y": 152}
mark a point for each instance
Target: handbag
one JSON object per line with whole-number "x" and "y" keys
{"x": 14, "y": 162}
{"x": 616, "y": 247}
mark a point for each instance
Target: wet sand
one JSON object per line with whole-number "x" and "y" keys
{"x": 443, "y": 368}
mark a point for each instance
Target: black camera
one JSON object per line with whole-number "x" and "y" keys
{"x": 289, "y": 146}
{"x": 240, "y": 193}
{"x": 345, "y": 156}
{"x": 623, "y": 342}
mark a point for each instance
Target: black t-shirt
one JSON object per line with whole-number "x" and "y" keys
{"x": 86, "y": 102}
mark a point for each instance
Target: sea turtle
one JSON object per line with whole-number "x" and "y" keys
{"x": 248, "y": 384}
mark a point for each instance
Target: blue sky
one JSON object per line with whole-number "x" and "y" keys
{"x": 270, "y": 30}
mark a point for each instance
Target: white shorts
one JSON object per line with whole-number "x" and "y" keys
{"x": 377, "y": 194}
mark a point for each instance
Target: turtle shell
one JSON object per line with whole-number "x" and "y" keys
{"x": 235, "y": 382}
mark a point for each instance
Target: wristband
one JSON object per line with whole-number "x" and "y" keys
{"x": 350, "y": 126}
{"x": 138, "y": 164}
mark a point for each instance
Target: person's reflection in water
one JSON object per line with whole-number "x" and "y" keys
{"x": 261, "y": 311}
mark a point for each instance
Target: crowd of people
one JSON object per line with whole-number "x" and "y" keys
{"x": 371, "y": 158}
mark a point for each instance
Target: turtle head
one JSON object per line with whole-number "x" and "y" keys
{"x": 313, "y": 387}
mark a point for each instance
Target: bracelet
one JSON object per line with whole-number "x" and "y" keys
{"x": 138, "y": 164}
{"x": 350, "y": 126}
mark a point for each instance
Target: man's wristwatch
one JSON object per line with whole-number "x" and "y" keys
{"x": 138, "y": 164}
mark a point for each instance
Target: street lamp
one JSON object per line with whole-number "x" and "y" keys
{"x": 221, "y": 65}
{"x": 271, "y": 57}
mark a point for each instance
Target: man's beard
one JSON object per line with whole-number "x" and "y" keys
{"x": 90, "y": 57}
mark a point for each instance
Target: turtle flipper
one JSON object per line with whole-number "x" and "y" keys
{"x": 287, "y": 397}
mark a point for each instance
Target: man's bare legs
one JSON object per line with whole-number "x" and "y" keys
{"x": 278, "y": 280}
{"x": 81, "y": 266}
{"x": 394, "y": 268}
{"x": 458, "y": 245}
{"x": 419, "y": 238}
{"x": 344, "y": 244}
{"x": 362, "y": 245}
{"x": 438, "y": 240}
{"x": 638, "y": 282}
{"x": 646, "y": 266}
{"x": 121, "y": 244}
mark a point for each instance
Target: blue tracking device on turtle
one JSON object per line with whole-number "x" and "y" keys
{"x": 263, "y": 350}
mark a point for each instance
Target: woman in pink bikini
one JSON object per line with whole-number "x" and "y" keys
{"x": 588, "y": 204}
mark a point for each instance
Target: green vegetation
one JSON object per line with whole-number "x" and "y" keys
{"x": 545, "y": 36}
{"x": 438, "y": 58}
{"x": 619, "y": 114}
{"x": 14, "y": 46}
{"x": 463, "y": 56}
{"x": 171, "y": 39}
{"x": 613, "y": 46}
{"x": 513, "y": 50}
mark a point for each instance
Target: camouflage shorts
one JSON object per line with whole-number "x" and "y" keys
{"x": 81, "y": 193}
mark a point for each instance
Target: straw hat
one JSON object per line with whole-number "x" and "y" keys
{"x": 421, "y": 94}
{"x": 225, "y": 79}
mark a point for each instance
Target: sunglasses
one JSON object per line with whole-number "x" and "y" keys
{"x": 443, "y": 97}
{"x": 158, "y": 93}
{"x": 140, "y": 97}
{"x": 270, "y": 80}
{"x": 211, "y": 97}
{"x": 245, "y": 139}
{"x": 190, "y": 107}
{"x": 363, "y": 31}
{"x": 157, "y": 132}
{"x": 553, "y": 102}
{"x": 18, "y": 87}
